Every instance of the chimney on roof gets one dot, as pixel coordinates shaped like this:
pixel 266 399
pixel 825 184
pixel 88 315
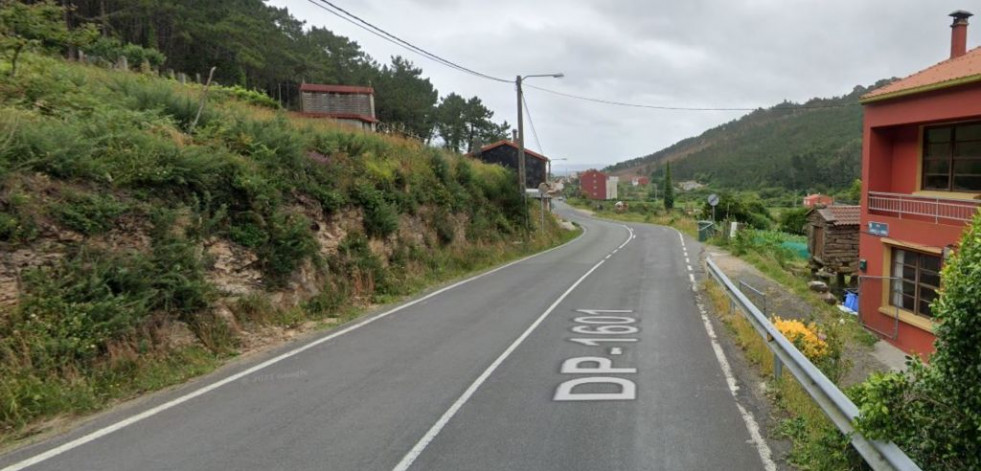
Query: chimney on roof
pixel 514 135
pixel 958 33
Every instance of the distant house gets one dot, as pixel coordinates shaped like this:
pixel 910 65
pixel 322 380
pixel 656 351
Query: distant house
pixel 506 153
pixel 347 104
pixel 921 180
pixel 636 181
pixel 611 187
pixel 817 199
pixel 592 183
pixel 832 239
pixel 689 185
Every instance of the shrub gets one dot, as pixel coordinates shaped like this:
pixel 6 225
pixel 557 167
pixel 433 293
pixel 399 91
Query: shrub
pixel 17 222
pixel 380 217
pixel 933 411
pixel 89 213
pixel 806 337
pixel 111 49
pixel 252 97
pixel 288 243
pixel 443 223
pixel 794 221
pixel 363 271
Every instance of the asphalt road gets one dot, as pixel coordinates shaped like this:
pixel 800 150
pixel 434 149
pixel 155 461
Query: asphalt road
pixel 590 357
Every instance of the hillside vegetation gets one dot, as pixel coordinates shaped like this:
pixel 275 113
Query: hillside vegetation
pixel 258 46
pixel 141 244
pixel 813 146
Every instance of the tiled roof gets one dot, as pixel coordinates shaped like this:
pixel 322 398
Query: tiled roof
pixel 316 87
pixel 511 144
pixel 951 72
pixel 841 215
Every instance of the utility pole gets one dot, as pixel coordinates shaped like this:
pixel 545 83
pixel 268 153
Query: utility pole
pixel 521 139
pixel 521 142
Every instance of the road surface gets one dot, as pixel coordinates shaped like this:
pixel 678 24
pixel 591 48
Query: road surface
pixel 593 356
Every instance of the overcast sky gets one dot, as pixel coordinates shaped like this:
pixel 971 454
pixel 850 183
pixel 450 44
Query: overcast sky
pixel 689 53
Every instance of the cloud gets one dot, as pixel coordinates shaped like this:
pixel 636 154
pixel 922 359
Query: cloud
pixel 698 53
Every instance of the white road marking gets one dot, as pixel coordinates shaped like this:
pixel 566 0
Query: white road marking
pixel 430 435
pixel 602 311
pixel 632 236
pixel 751 426
pixel 616 351
pixel 39 458
pixel 688 264
pixel 766 456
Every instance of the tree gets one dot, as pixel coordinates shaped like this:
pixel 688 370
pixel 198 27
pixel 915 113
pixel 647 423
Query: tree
pixel 403 96
pixel 462 123
pixel 39 25
pixel 855 191
pixel 794 220
pixel 933 412
pixel 451 121
pixel 668 188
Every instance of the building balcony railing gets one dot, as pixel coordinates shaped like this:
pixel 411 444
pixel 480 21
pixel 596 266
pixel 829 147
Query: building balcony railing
pixel 922 207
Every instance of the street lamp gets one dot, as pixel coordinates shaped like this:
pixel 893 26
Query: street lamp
pixel 521 132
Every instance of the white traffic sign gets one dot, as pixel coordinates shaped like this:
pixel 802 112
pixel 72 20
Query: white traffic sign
pixel 713 199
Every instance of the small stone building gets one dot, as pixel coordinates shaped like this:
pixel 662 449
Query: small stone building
pixel 354 106
pixel 505 153
pixel 832 239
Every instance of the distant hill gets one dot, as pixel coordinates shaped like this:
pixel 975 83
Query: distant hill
pixel 816 145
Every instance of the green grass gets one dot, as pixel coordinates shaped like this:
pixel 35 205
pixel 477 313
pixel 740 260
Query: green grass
pixel 640 212
pixel 817 443
pixel 110 156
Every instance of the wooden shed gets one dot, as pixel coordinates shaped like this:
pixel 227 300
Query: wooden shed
pixel 833 238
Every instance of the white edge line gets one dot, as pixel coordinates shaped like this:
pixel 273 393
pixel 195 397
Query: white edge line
pixel 433 431
pixel 748 420
pixel 39 458
pixel 766 455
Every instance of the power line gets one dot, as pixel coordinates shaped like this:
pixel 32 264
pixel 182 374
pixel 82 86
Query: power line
pixel 365 25
pixel 346 15
pixel 531 122
pixel 673 108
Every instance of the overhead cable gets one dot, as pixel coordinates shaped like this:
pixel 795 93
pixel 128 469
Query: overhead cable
pixel 365 25
pixel 346 15
pixel 541 150
pixel 673 108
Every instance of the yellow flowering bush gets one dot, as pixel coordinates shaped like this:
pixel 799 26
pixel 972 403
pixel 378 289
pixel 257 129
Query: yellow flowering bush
pixel 806 337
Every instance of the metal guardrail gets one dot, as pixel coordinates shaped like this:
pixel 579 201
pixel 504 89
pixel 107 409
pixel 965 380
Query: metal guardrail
pixel 880 455
pixel 922 206
pixel 759 293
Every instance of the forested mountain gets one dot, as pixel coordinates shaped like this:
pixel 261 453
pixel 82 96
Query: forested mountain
pixel 261 47
pixel 815 146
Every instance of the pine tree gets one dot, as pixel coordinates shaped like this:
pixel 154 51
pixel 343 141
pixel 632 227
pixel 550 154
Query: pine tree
pixel 668 188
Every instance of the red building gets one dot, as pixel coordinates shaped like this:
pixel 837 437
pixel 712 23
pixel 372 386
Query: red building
pixel 921 168
pixel 818 199
pixel 593 184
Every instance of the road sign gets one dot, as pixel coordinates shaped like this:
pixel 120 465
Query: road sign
pixel 713 199
pixel 543 188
